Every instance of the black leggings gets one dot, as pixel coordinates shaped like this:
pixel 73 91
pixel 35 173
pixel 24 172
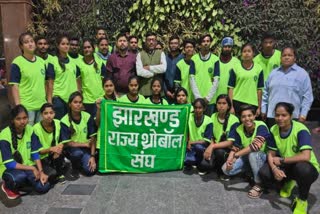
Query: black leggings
pixel 304 173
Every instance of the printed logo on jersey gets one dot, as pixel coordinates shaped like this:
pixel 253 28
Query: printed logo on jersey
pixel 42 71
pixel 295 149
pixel 255 78
pixel 275 66
pixel 29 145
pixel 85 130
pixel 210 70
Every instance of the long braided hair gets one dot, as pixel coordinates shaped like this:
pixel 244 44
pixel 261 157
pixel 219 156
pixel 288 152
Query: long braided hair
pixel 14 113
pixel 95 65
pixel 60 58
pixel 226 119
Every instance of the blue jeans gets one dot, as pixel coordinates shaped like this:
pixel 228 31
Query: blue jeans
pixel 253 161
pixel 79 158
pixel 34 117
pixel 195 155
pixel 15 179
pixel 59 107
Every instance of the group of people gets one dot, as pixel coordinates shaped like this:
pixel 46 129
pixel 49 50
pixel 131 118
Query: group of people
pixel 56 113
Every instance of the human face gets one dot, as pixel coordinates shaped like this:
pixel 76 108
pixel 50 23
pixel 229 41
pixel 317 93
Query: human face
pixel 158 47
pixel 108 88
pixel 226 50
pixel 151 42
pixel 74 46
pixel 133 44
pixel 87 49
pixel 287 58
pixel 76 104
pixel 198 109
pixel 174 45
pixel 247 53
pixel 48 115
pixel 156 88
pixel 28 45
pixel 247 119
pixel 122 43
pixel 222 106
pixel 20 122
pixel 267 45
pixel 42 46
pixel 283 118
pixel 181 98
pixel 64 46
pixel 189 50
pixel 205 43
pixel 133 87
pixel 103 47
pixel 101 34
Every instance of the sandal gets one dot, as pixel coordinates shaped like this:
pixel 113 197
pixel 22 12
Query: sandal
pixel 255 192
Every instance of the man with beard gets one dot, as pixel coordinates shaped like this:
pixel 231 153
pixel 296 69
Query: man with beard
pixel 74 51
pixel 121 65
pixel 101 34
pixel 269 58
pixel 42 49
pixel 150 63
pixel 173 57
pixel 224 65
pixel 102 52
pixel 133 44
pixel 202 81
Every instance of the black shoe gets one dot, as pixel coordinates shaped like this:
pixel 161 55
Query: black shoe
pixel 224 177
pixel 72 175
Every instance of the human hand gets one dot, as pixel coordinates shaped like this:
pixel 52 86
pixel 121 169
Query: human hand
pixel 43 178
pixel 92 164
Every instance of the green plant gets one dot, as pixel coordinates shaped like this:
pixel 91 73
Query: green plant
pixel 183 18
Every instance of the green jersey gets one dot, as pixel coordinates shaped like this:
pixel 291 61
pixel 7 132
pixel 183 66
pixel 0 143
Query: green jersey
pixel 222 70
pixel 77 60
pixel 84 129
pixel 91 80
pixel 30 78
pixel 162 101
pixel 203 132
pixel 225 129
pixel 268 64
pixel 60 133
pixel 297 140
pixel 242 140
pixel 125 99
pixel 28 146
pixel 245 83
pixel 65 81
pixel 202 70
pixel 182 77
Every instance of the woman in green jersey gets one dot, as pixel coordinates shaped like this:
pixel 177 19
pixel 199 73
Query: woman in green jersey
pixel 81 149
pixel 248 153
pixel 224 125
pixel 291 158
pixel 133 96
pixel 52 135
pixel 20 164
pixel 62 78
pixel 246 82
pixel 156 88
pixel 27 78
pixel 92 72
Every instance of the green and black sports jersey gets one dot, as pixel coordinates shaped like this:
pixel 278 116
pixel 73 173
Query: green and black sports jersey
pixel 203 132
pixel 203 70
pixel 65 81
pixel 30 78
pixel 162 102
pixel 91 80
pixel 222 70
pixel 77 60
pixel 268 64
pixel 245 83
pixel 297 140
pixel 28 146
pixel 182 77
pixel 46 138
pixel 218 131
pixel 84 129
